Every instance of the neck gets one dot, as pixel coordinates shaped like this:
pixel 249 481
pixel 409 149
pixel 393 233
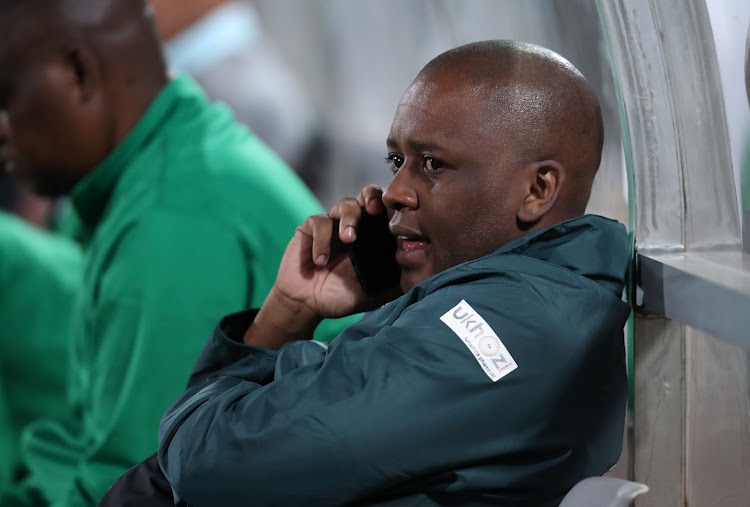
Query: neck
pixel 132 104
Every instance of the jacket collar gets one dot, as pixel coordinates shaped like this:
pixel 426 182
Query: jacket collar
pixel 592 246
pixel 92 194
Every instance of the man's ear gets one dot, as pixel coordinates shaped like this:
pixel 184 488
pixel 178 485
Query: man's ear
pixel 543 182
pixel 86 71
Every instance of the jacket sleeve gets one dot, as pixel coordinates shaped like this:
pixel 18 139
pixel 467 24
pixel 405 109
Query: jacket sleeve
pixel 168 281
pixel 390 414
pixel 40 274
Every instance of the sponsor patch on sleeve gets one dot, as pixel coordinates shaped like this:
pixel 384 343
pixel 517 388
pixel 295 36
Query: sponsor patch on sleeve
pixel 481 340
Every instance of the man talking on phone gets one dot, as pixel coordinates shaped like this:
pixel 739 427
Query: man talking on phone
pixel 497 377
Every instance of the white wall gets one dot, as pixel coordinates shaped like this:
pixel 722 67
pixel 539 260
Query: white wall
pixel 729 21
pixel 357 57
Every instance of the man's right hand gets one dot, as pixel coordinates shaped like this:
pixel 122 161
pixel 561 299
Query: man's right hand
pixel 316 279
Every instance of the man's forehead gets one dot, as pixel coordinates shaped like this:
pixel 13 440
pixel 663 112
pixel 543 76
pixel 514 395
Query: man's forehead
pixel 24 35
pixel 444 92
pixel 21 27
pixel 468 105
pixel 425 102
pixel 434 116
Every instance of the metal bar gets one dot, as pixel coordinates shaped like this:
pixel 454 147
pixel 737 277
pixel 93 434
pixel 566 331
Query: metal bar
pixel 709 291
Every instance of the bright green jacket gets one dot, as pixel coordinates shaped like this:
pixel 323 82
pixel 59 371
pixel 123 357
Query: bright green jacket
pixel 40 274
pixel 185 221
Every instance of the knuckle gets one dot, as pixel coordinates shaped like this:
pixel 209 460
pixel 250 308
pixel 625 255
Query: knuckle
pixel 349 203
pixel 313 222
pixel 373 190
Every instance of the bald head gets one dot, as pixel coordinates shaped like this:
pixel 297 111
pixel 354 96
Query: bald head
pixel 84 17
pixel 120 36
pixel 491 141
pixel 96 65
pixel 534 99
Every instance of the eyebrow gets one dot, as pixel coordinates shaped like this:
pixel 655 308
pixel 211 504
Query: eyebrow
pixel 416 145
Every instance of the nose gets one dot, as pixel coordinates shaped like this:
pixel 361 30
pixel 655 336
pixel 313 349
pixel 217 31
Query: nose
pixel 400 193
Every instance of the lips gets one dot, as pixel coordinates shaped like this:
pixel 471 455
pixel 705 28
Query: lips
pixel 411 243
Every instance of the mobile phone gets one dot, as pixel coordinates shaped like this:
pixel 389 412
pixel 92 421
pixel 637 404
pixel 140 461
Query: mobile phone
pixel 373 254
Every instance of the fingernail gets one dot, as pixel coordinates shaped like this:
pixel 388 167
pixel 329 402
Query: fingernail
pixel 349 231
pixel 321 260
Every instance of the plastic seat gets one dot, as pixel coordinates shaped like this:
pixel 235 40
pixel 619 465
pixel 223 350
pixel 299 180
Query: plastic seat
pixel 603 492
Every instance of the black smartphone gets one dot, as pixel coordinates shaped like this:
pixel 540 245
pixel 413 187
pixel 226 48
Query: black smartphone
pixel 373 254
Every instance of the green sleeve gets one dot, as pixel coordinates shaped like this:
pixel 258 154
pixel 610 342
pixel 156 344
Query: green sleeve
pixel 8 445
pixel 40 274
pixel 170 279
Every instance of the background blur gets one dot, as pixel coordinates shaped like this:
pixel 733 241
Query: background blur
pixel 357 57
pixel 320 80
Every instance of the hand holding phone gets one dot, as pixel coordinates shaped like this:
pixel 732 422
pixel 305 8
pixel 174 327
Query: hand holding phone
pixel 373 254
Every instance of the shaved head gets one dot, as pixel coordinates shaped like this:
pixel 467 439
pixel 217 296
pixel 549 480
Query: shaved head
pixel 83 18
pixel 121 32
pixel 92 13
pixel 75 77
pixel 99 22
pixel 537 99
pixel 492 140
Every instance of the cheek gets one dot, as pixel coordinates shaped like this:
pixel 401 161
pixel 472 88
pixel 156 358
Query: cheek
pixel 40 115
pixel 49 126
pixel 471 229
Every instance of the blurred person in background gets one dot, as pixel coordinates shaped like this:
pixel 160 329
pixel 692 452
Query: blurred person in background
pixel 40 276
pixel 16 199
pixel 221 44
pixel 183 216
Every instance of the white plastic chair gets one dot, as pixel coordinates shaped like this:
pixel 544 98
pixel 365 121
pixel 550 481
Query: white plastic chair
pixel 603 492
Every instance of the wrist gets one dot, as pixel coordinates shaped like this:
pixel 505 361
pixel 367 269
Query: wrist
pixel 281 320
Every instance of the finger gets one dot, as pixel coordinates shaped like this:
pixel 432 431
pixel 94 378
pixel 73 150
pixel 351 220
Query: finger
pixel 347 212
pixel 320 229
pixel 371 198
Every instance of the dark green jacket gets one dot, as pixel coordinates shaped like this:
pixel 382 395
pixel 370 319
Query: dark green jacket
pixel 400 409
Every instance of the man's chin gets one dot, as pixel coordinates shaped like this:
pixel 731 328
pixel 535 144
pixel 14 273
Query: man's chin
pixel 410 278
pixel 45 187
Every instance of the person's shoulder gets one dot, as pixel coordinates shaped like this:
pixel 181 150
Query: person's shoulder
pixel 203 136
pixel 203 156
pixel 589 253
pixel 21 239
pixel 168 251
pixel 496 272
pixel 529 296
pixel 218 163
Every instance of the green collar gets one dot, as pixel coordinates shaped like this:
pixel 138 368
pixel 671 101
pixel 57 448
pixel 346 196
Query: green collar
pixel 91 195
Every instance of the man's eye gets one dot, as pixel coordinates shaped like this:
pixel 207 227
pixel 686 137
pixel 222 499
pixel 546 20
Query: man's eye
pixel 395 161
pixel 432 164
